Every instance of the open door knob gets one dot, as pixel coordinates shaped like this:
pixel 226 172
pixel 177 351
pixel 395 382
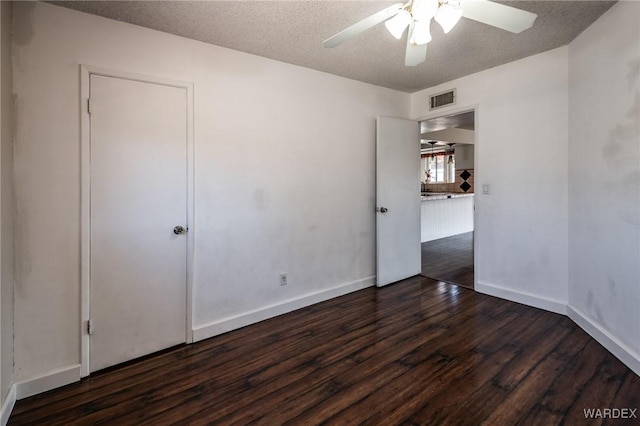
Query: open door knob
pixel 178 230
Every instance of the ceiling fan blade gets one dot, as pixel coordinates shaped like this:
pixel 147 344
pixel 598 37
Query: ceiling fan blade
pixel 416 53
pixel 498 15
pixel 363 25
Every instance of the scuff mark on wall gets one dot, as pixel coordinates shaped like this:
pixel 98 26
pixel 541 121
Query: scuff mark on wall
pixel 259 200
pixel 593 307
pixel 622 153
pixel 22 265
pixel 18 243
pixel 634 72
pixel 634 112
pixel 616 147
pixel 23 33
pixel 21 261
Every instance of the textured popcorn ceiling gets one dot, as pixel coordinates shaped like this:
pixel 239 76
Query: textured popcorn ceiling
pixel 293 32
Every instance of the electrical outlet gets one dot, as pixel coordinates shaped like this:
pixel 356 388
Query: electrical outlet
pixel 283 278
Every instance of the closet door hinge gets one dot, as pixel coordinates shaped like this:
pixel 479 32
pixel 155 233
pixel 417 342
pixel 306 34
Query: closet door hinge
pixel 89 328
pixel 89 105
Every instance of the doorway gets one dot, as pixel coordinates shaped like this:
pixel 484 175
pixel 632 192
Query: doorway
pixel 447 176
pixel 137 189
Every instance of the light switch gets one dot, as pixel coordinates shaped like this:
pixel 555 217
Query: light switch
pixel 485 188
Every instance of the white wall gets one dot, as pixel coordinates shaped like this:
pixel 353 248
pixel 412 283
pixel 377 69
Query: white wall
pixel 521 151
pixel 6 204
pixel 284 174
pixel 465 158
pixel 604 178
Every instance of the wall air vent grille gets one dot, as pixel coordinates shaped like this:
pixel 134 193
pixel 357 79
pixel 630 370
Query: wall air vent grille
pixel 443 99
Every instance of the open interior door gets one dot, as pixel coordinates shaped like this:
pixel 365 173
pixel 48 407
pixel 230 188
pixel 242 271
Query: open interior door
pixel 397 200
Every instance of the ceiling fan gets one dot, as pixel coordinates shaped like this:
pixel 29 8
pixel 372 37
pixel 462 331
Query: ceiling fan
pixel 416 15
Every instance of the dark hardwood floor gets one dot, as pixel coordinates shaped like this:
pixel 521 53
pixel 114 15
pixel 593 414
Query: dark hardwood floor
pixel 416 352
pixel 449 259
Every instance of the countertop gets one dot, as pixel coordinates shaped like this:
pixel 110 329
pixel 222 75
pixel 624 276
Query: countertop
pixel 431 196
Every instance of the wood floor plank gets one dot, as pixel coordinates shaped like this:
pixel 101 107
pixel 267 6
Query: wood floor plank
pixel 356 350
pixel 449 259
pixel 601 389
pixel 527 392
pixel 486 396
pixel 249 338
pixel 422 359
pixel 416 352
pixel 556 401
pixel 189 367
pixel 407 393
pixel 381 351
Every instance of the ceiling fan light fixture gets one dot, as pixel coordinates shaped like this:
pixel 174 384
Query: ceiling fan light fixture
pixel 417 15
pixel 448 16
pixel 424 10
pixel 398 23
pixel 421 34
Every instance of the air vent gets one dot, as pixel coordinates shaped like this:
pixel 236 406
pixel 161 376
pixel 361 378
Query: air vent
pixel 443 99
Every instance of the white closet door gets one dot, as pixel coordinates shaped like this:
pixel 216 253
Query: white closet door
pixel 138 195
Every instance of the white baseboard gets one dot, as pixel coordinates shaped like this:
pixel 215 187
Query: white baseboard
pixel 50 380
pixel 7 406
pixel 224 325
pixel 522 297
pixel 624 353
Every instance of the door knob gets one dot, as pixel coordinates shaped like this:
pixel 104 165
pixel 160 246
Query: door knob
pixel 178 230
pixel 383 209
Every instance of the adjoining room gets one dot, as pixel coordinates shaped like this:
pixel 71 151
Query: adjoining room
pixel 447 167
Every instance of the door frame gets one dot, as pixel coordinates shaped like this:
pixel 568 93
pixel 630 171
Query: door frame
pixel 476 160
pixel 85 199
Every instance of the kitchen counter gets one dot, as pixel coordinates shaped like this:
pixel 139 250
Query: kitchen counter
pixel 451 215
pixel 430 196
